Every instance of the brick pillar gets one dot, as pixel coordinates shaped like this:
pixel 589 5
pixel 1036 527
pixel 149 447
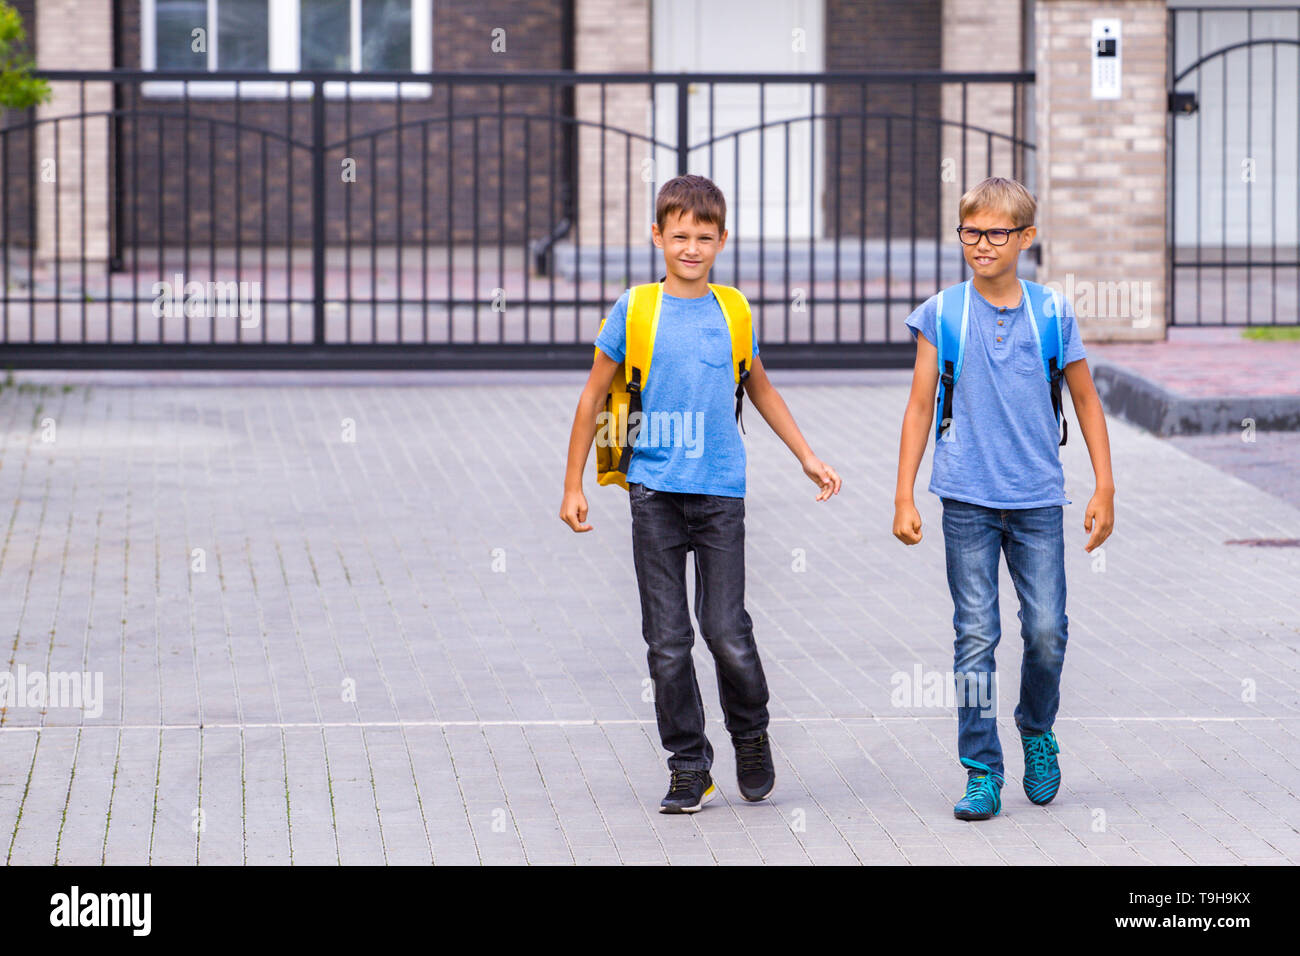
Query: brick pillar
pixel 979 36
pixel 612 36
pixel 1102 168
pixel 73 35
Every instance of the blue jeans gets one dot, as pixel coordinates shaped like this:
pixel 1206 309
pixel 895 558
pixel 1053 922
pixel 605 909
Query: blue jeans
pixel 1033 540
pixel 665 525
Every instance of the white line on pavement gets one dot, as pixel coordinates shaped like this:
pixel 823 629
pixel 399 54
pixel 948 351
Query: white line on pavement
pixel 317 725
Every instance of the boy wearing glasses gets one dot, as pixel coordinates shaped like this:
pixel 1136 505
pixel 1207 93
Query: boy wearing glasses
pixel 996 348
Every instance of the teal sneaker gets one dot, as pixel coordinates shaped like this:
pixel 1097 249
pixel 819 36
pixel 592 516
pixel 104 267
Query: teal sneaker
pixel 1042 772
pixel 983 793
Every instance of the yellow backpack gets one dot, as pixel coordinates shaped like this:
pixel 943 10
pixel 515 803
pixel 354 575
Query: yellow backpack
pixel 617 432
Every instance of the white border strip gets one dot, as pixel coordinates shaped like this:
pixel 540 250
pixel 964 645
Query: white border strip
pixel 630 721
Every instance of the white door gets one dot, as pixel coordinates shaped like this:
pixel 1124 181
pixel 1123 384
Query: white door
pixel 747 36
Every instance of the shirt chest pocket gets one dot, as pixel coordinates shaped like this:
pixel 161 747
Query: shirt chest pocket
pixel 714 346
pixel 1027 359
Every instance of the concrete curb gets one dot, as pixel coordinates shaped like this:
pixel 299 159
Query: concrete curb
pixel 1143 402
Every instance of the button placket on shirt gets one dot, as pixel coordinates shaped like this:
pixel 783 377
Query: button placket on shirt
pixel 1001 334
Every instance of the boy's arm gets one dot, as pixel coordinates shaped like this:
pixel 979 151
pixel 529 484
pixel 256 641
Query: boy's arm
pixel 573 509
pixel 917 419
pixel 1099 519
pixel 772 407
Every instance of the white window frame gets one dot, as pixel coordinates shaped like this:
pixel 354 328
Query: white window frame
pixel 285 56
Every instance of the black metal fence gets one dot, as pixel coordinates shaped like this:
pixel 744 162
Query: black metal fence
pixel 462 220
pixel 1234 161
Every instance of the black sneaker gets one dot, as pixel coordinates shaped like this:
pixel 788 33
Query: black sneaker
pixel 688 791
pixel 754 773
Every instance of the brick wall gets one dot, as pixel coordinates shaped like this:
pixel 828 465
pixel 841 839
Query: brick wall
pixel 981 36
pixel 1102 164
pixel 510 170
pixel 73 34
pixel 612 36
pixel 882 159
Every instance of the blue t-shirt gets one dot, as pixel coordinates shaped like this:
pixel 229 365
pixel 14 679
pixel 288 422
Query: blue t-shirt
pixel 1002 449
pixel 689 441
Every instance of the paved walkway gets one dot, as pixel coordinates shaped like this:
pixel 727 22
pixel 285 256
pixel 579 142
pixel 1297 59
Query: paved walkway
pixel 1246 378
pixel 319 650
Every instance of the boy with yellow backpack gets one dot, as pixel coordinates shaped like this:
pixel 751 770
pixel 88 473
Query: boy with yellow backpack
pixel 670 358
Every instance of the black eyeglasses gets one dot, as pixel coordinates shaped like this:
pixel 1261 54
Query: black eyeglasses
pixel 969 235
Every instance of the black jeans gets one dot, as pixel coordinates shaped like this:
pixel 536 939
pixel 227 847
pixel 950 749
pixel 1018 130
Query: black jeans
pixel 665 525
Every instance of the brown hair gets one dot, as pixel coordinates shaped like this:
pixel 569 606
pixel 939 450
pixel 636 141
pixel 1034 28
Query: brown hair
pixel 697 195
pixel 999 195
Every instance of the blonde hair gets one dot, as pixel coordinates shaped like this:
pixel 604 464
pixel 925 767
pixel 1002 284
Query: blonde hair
pixel 999 195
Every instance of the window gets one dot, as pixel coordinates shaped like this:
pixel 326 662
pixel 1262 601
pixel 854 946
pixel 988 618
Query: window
pixel 357 36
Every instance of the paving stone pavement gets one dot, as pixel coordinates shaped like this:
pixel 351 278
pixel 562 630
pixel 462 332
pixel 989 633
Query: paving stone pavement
pixel 317 650
pixel 1268 460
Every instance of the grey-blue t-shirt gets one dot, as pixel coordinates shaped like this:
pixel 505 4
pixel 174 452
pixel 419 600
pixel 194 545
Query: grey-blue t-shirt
pixel 689 441
pixel 1002 449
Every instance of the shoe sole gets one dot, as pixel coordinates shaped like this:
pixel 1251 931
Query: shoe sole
pixel 708 795
pixel 763 796
pixel 976 816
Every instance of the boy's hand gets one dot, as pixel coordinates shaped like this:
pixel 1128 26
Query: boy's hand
pixel 907 523
pixel 1099 518
pixel 822 475
pixel 573 510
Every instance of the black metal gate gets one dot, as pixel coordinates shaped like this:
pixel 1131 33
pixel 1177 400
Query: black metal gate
pixel 1234 165
pixel 304 220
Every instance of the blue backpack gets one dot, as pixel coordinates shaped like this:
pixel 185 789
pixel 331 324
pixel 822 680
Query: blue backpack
pixel 952 312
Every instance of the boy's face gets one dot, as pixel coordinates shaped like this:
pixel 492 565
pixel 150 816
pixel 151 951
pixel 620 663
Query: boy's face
pixel 689 246
pixel 987 260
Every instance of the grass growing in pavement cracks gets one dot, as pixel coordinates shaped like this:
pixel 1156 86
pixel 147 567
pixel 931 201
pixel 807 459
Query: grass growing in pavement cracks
pixel 67 800
pixel 1274 333
pixel 27 789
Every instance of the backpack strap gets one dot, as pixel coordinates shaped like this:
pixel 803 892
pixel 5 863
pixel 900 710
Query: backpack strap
pixel 643 307
pixel 740 324
pixel 952 314
pixel 1047 304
